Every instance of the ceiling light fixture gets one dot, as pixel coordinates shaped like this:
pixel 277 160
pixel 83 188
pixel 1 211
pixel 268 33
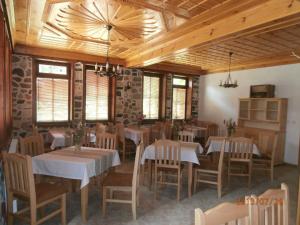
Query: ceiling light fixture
pixel 228 83
pixel 108 70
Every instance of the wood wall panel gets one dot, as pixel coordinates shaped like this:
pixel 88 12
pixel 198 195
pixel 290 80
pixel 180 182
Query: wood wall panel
pixel 5 85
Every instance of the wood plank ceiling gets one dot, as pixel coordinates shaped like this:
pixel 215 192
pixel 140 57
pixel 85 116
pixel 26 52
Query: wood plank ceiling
pixel 192 34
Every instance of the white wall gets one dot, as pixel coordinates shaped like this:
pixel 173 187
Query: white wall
pixel 217 104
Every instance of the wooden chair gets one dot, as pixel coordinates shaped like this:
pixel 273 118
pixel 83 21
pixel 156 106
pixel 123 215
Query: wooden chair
pixel 35 130
pixel 106 140
pixel 270 208
pixel 186 136
pixel 156 131
pixel 267 143
pixel 224 213
pixel 167 162
pixel 210 173
pixel 20 184
pixel 86 140
pixel 122 182
pixel 32 145
pixel 240 155
pixel 100 128
pixel 168 130
pixel 121 139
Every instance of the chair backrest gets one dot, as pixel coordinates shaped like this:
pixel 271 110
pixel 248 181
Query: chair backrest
pixel 270 208
pixel 168 129
pixel 167 153
pixel 221 158
pixel 223 214
pixel 32 145
pixel 267 143
pixel 187 136
pixel 87 137
pixel 18 175
pixel 100 128
pixel 240 148
pixel 136 168
pixel 106 140
pixel 35 130
pixel 120 132
pixel 214 138
pixel 145 138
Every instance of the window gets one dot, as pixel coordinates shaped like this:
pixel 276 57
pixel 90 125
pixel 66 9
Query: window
pixel 52 92
pixel 97 97
pixel 179 98
pixel 151 96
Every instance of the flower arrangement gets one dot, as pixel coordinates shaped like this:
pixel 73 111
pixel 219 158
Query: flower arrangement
pixel 140 117
pixel 230 125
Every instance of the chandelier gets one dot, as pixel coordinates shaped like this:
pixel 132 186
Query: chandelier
pixel 228 83
pixel 108 70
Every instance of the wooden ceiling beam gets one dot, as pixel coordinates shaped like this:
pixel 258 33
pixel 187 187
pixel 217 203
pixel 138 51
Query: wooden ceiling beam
pixel 278 59
pixel 263 16
pixel 176 68
pixel 63 55
pixel 147 5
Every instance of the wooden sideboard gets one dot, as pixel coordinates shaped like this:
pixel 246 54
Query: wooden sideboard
pixel 267 115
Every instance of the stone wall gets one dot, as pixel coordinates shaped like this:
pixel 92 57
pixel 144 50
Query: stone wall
pixel 78 92
pixel 128 101
pixel 195 97
pixel 22 94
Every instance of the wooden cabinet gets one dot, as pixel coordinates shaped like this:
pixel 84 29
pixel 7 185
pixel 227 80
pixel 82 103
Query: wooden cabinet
pixel 264 115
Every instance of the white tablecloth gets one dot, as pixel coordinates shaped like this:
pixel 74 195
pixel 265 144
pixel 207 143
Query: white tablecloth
pixel 189 152
pixel 81 165
pixel 59 138
pixel 198 131
pixel 134 134
pixel 215 146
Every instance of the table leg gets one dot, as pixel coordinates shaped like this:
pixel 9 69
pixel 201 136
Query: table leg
pixel 190 179
pixel 149 173
pixel 84 203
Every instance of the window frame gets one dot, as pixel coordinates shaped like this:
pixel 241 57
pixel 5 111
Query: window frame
pixel 111 97
pixel 180 87
pixel 36 75
pixel 153 74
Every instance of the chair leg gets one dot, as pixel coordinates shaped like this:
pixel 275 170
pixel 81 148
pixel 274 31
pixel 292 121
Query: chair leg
pixel 272 174
pixel 133 205
pixel 219 187
pixel 250 175
pixel 149 173
pixel 123 155
pixel 228 175
pixel 63 209
pixel 33 210
pixel 104 201
pixel 155 183
pixel 10 209
pixel 195 180
pixel 179 185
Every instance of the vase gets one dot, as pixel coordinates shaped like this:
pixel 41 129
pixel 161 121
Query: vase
pixel 77 147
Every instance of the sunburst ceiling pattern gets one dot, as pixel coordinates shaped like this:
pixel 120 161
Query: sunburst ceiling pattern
pixel 88 21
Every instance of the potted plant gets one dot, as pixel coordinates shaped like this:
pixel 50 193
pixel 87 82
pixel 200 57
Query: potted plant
pixel 231 126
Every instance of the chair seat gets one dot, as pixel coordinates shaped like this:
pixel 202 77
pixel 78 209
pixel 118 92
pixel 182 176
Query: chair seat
pixel 118 180
pixel 165 169
pixel 261 157
pixel 45 191
pixel 206 165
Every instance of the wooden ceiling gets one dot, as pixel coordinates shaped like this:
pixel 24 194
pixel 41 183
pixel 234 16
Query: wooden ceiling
pixel 196 35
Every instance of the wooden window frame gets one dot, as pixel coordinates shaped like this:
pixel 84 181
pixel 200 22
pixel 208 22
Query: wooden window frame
pixel 36 75
pixel 160 100
pixel 111 97
pixel 180 87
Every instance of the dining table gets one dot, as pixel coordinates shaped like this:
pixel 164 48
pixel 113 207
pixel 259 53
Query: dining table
pixel 135 133
pixel 75 164
pixel 198 131
pixel 63 137
pixel 189 153
pixel 215 145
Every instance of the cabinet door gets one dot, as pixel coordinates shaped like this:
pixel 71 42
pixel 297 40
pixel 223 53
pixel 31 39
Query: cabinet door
pixel 273 110
pixel 244 112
